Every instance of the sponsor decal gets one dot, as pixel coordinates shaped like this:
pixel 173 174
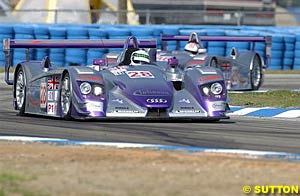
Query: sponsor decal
pixel 118 70
pixel 184 101
pixel 163 58
pixel 94 106
pixel 43 95
pixel 51 108
pixel 156 100
pixel 195 62
pixel 139 74
pixel 209 78
pixel 52 95
pixel 120 101
pixel 53 82
pixel 89 77
pixel 147 92
pixel 217 105
pixel 83 70
pixel 207 72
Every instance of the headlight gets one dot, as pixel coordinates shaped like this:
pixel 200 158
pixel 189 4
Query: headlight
pixel 97 90
pixel 85 88
pixel 216 88
pixel 206 90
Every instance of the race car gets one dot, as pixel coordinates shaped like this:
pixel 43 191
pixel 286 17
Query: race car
pixel 242 70
pixel 132 87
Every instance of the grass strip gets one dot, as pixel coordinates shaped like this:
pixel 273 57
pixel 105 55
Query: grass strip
pixel 278 98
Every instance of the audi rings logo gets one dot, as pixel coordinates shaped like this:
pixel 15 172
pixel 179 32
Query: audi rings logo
pixel 156 100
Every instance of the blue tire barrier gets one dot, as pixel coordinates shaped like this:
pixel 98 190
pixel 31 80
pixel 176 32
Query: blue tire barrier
pixel 277 53
pixel 57 32
pixel 118 32
pixel 23 29
pixel 288 63
pixel 238 45
pixel 97 33
pixel 297 45
pixel 276 62
pixel 69 60
pixel 297 53
pixel 6 29
pixel 289 46
pixel 75 52
pixel 260 46
pixel 216 51
pixel 39 55
pixel 170 30
pixel 77 32
pixel 117 50
pixel 289 54
pixel 289 39
pixel 41 30
pixel 141 32
pixel 277 39
pixel 277 46
pixel 38 36
pixel 189 31
pixel 24 36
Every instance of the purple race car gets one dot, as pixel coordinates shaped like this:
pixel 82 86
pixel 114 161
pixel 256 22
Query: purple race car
pixel 132 87
pixel 242 70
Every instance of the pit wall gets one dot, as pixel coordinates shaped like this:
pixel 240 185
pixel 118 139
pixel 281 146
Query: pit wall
pixel 285 52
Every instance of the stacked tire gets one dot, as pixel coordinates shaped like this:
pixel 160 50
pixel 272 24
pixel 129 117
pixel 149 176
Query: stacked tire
pixel 171 45
pixel 289 52
pixel 6 32
pixel 76 56
pixel 22 32
pixel 240 46
pixel 96 34
pixel 41 32
pixel 57 55
pixel 216 47
pixel 296 65
pixel 118 33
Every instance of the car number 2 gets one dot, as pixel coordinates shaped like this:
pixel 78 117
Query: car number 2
pixel 139 74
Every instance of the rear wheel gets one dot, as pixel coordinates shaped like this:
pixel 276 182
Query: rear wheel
pixel 20 87
pixel 256 73
pixel 66 96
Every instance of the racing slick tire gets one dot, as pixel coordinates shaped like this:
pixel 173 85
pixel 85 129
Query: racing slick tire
pixel 66 96
pixel 20 91
pixel 256 73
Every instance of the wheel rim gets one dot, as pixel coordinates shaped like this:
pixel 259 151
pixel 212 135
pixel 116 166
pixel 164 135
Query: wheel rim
pixel 256 72
pixel 20 90
pixel 65 95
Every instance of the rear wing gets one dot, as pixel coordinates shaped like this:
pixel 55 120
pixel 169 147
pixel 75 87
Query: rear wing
pixel 252 39
pixel 9 44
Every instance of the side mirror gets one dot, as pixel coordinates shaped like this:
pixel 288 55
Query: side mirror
pixel 233 53
pixel 202 51
pixel 98 64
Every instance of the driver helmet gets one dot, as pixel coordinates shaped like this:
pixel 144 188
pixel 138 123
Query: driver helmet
pixel 192 47
pixel 139 57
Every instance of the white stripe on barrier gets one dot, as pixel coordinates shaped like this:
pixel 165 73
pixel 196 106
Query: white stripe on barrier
pixel 245 111
pixel 289 114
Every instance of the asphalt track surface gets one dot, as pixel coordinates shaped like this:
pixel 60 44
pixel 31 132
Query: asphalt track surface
pixel 280 135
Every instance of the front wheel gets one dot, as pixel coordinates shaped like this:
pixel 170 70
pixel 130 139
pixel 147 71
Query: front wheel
pixel 66 96
pixel 256 73
pixel 20 91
